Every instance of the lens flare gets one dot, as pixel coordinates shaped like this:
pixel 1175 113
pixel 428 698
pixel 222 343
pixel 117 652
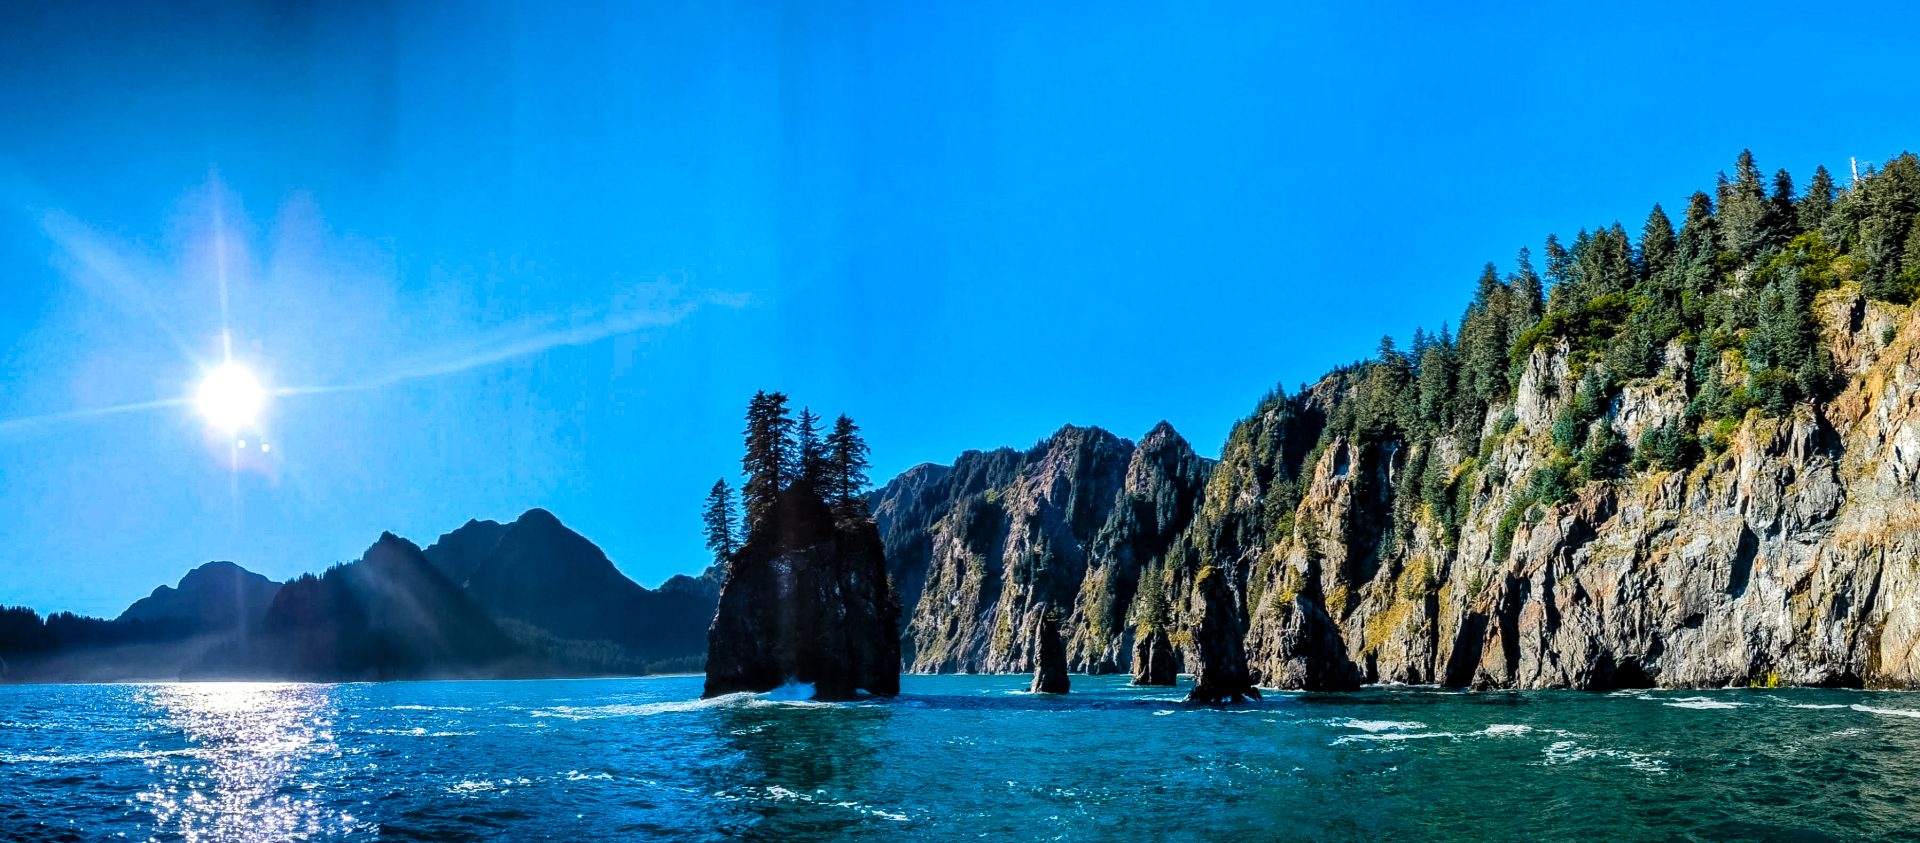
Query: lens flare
pixel 230 398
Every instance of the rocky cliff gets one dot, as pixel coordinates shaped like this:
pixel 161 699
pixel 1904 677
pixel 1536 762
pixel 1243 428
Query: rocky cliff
pixel 1789 553
pixel 984 548
pixel 1787 557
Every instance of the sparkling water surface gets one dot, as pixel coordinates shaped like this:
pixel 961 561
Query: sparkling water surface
pixel 953 758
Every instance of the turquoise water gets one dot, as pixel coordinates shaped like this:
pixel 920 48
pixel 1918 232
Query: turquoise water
pixel 954 758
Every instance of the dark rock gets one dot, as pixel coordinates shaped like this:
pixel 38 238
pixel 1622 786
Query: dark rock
pixel 214 596
pixel 390 615
pixel 812 605
pixel 557 591
pixel 1221 676
pixel 1153 660
pixel 1050 672
pixel 459 552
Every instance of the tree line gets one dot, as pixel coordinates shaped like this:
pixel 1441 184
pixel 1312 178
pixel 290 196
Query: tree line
pixel 788 463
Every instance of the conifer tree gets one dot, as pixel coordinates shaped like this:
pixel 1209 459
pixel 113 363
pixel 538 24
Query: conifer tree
pixel 1813 207
pixel 810 456
pixel 719 517
pixel 1744 208
pixel 1559 262
pixel 1436 376
pixel 1484 346
pixel 1782 213
pixel 1656 244
pixel 1526 300
pixel 1697 253
pixel 769 449
pixel 846 462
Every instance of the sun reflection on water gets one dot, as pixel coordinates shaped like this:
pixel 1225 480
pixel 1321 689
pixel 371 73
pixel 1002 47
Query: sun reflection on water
pixel 242 775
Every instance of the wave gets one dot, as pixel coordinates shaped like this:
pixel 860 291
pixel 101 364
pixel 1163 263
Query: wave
pixel 1570 752
pixel 1380 725
pixel 97 757
pixel 776 793
pixel 771 699
pixel 1891 712
pixel 1702 703
pixel 1392 736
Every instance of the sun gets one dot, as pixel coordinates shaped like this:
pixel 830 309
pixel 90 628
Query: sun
pixel 230 398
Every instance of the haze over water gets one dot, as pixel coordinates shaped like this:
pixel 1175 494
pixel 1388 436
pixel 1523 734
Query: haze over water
pixel 955 757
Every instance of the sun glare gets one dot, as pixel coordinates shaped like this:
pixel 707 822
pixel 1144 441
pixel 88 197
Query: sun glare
pixel 230 398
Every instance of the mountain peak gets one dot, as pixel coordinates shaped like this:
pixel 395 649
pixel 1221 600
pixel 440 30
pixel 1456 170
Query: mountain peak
pixel 538 516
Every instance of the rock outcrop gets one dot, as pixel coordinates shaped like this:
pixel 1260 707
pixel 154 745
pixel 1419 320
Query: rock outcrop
pixel 1153 660
pixel 1050 672
pixel 1220 674
pixel 811 605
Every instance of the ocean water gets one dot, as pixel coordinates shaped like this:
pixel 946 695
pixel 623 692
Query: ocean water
pixel 953 758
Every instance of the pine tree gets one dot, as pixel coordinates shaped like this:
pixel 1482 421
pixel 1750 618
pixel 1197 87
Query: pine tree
pixel 1656 244
pixel 810 456
pixel 1484 346
pixel 846 463
pixel 769 449
pixel 1743 208
pixel 1436 385
pixel 1525 298
pixel 719 517
pixel 1559 262
pixel 1782 213
pixel 1814 207
pixel 1697 254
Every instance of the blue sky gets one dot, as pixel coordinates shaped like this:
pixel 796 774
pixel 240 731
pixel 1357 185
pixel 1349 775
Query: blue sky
pixel 516 257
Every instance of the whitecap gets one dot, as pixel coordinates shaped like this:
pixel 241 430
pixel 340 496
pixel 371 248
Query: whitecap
pixel 1381 725
pixel 1702 703
pixel 1819 706
pixel 783 794
pixel 1391 736
pixel 1501 730
pixel 1569 752
pixel 1894 712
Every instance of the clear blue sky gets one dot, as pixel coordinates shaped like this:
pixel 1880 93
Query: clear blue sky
pixel 546 256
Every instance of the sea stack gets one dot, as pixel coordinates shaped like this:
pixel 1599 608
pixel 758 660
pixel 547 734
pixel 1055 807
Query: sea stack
pixel 1221 676
pixel 807 601
pixel 1153 659
pixel 1050 673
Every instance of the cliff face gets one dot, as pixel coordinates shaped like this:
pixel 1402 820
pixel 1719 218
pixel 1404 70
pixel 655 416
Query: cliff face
pixel 984 548
pixel 1790 555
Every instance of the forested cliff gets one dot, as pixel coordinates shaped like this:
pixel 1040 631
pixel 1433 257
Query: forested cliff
pixel 1682 457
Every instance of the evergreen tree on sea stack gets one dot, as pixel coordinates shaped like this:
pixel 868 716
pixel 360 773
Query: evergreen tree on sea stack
pixel 806 597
